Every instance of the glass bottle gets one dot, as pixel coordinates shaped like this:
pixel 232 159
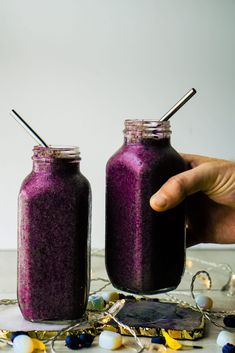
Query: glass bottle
pixel 145 249
pixel 54 237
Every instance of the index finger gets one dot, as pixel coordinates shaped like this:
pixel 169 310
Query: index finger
pixel 195 159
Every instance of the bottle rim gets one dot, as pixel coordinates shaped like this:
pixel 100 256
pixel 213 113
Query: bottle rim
pixel 147 122
pixel 56 152
pixel 137 129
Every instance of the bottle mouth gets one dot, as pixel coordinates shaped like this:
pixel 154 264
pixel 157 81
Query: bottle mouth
pixel 56 152
pixel 145 128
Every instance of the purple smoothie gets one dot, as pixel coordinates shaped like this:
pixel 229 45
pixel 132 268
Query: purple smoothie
pixel 53 237
pixel 145 250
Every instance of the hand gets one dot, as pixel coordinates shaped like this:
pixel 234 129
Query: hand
pixel 210 190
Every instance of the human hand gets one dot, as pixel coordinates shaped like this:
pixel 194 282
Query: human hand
pixel 210 190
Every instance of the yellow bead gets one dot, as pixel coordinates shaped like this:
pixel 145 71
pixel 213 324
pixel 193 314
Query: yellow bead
pixel 171 342
pixel 38 344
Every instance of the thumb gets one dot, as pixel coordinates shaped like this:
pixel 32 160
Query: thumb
pixel 178 187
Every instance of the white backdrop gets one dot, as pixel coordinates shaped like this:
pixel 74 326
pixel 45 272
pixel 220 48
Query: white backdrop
pixel 76 69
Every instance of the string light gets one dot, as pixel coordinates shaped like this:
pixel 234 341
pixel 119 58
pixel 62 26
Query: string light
pixel 203 276
pixel 229 286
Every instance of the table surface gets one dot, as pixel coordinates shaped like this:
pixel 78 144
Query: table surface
pixel 197 259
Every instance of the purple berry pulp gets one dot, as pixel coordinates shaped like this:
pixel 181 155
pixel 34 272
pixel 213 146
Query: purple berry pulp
pixel 53 241
pixel 145 249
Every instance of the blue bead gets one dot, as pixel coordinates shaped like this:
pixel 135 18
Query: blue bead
pixel 18 333
pixel 229 320
pixel 228 348
pixel 73 342
pixel 158 339
pixel 86 339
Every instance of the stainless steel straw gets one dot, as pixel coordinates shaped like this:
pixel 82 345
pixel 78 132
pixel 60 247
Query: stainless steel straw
pixel 178 105
pixel 28 128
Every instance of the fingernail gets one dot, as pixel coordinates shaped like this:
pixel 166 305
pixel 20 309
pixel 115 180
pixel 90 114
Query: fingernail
pixel 159 200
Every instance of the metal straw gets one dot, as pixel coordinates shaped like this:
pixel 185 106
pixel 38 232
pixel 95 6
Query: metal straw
pixel 178 105
pixel 28 128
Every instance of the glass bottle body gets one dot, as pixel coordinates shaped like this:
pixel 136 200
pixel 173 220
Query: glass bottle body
pixel 145 249
pixel 53 238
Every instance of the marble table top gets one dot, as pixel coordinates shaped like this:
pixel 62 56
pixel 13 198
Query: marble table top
pixel 217 262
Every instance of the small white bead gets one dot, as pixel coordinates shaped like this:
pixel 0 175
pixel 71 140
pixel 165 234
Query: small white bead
pixel 23 344
pixel 225 337
pixel 204 302
pixel 110 340
pixel 110 296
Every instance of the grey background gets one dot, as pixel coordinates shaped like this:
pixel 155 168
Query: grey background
pixel 76 69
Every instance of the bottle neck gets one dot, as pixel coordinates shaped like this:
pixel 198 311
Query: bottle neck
pixel 62 160
pixel 146 131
